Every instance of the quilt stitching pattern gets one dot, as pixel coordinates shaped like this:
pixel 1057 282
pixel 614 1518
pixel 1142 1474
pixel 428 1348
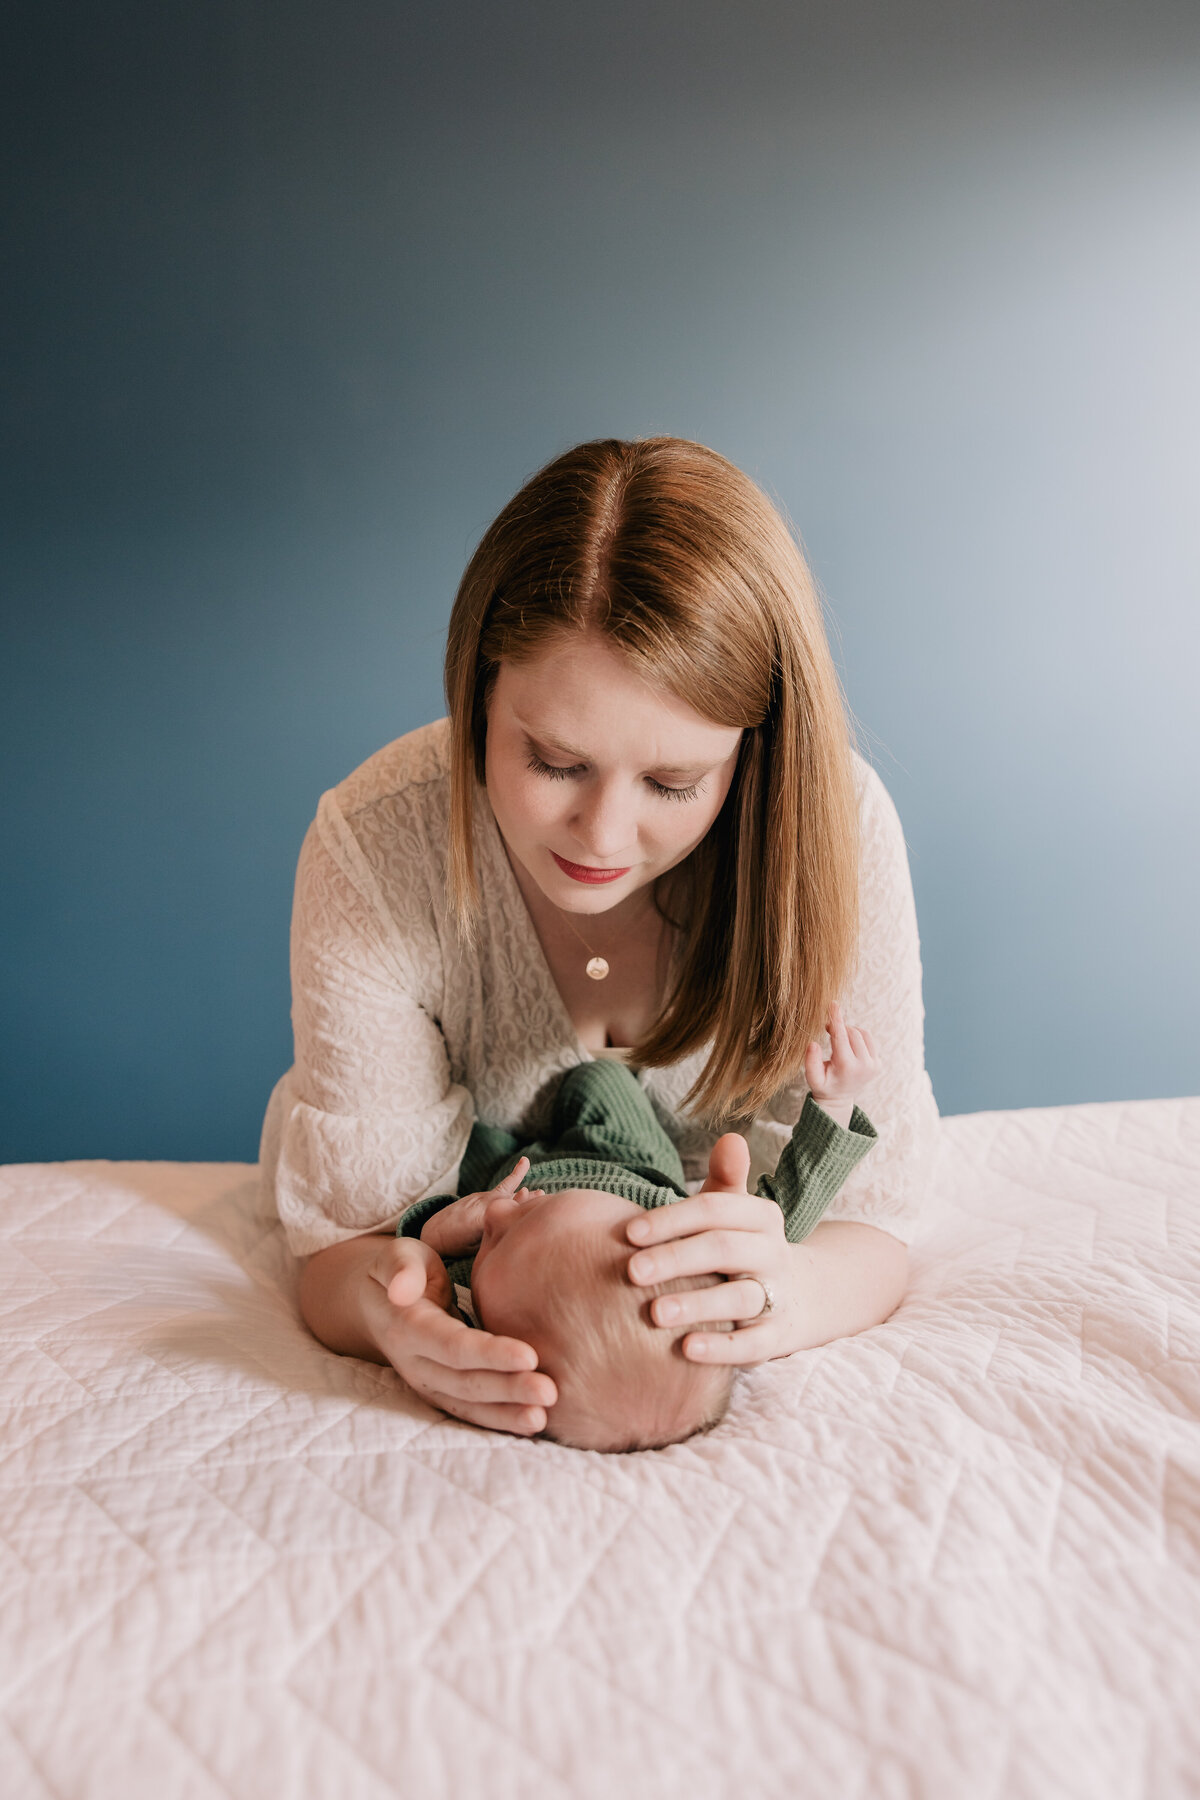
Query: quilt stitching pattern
pixel 958 1556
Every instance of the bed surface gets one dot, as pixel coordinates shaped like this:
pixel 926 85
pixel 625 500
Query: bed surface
pixel 957 1556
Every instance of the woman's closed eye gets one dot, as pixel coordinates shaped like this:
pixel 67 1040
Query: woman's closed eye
pixel 674 793
pixel 557 773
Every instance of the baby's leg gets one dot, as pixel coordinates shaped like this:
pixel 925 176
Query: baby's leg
pixel 601 1111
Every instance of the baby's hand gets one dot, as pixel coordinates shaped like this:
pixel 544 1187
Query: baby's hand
pixel 835 1084
pixel 458 1228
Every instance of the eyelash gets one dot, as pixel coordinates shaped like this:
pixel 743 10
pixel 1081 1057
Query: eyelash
pixel 556 774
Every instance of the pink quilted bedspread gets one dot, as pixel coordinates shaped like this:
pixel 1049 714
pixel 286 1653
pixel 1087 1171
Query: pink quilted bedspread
pixel 958 1556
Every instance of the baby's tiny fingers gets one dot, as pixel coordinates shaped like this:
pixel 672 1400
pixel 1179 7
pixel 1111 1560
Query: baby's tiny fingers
pixel 839 1042
pixel 512 1181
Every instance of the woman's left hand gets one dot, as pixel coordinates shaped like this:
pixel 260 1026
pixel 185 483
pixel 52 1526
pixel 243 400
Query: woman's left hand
pixel 724 1231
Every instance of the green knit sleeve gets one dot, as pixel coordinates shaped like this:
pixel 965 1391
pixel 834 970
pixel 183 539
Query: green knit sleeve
pixel 813 1166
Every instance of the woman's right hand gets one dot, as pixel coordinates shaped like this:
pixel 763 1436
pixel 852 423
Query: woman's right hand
pixel 487 1380
pixel 389 1299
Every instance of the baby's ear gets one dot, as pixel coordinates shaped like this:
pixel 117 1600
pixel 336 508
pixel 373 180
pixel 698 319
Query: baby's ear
pixel 728 1166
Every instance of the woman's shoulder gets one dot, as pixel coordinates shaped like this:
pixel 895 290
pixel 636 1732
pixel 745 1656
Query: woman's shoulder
pixel 878 821
pixel 416 765
pixel 873 797
pixel 380 835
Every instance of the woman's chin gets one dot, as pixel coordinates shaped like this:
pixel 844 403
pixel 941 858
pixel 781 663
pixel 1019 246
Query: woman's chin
pixel 574 895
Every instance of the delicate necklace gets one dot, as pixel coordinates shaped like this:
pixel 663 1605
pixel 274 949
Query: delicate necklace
pixel 597 967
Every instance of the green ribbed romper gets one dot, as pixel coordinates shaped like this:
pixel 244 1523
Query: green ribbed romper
pixel 604 1134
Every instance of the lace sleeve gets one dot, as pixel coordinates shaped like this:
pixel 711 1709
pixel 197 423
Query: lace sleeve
pixel 368 1119
pixel 887 1188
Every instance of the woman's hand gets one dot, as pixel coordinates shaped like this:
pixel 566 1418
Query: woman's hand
pixel 780 1296
pixel 722 1230
pixel 388 1299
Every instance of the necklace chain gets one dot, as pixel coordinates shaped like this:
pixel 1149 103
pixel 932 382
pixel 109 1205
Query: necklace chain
pixel 597 966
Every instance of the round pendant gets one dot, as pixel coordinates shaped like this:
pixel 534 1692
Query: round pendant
pixel 597 968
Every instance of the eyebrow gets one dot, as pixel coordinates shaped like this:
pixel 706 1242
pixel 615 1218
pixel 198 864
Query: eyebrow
pixel 549 743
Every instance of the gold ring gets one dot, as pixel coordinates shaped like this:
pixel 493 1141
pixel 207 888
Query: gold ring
pixel 768 1304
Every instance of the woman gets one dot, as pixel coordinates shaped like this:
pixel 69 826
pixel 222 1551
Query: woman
pixel 642 832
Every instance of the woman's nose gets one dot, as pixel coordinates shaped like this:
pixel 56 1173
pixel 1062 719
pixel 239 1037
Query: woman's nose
pixel 604 823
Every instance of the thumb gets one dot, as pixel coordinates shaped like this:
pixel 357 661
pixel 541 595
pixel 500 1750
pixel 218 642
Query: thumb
pixel 728 1165
pixel 814 1067
pixel 407 1284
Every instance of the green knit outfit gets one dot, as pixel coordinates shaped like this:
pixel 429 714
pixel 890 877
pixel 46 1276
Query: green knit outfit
pixel 604 1134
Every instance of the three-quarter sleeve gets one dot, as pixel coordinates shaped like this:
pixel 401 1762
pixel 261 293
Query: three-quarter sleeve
pixel 368 1119
pixel 884 994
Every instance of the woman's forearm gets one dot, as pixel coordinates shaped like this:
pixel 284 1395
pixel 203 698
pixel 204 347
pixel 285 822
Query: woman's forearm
pixel 844 1278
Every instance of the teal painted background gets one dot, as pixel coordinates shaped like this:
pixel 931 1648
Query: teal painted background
pixel 296 296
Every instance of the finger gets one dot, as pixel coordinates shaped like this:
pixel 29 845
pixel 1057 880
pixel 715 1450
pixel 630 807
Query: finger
pixel 427 1330
pixel 407 1284
pixel 708 1253
pixel 728 1164
pixel 458 1228
pixel 814 1065
pixel 869 1041
pixel 484 1387
pixel 732 1301
pixel 752 1344
pixel 839 1043
pixel 512 1181
pixel 522 1421
pixel 858 1047
pixel 703 1211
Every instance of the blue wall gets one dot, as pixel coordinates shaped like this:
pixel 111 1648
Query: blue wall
pixel 304 291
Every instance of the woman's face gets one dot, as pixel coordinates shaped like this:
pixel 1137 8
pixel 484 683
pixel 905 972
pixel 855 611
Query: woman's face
pixel 599 782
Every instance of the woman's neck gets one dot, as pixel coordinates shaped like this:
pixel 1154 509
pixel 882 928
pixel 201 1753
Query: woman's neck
pixel 634 917
pixel 633 939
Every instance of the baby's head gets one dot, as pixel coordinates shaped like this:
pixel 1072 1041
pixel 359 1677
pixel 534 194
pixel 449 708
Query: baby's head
pixel 552 1271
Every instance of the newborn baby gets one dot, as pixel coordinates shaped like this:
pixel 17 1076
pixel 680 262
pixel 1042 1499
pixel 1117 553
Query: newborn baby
pixel 551 1270
pixel 550 1266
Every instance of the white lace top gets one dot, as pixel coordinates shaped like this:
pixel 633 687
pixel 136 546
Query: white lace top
pixel 403 1036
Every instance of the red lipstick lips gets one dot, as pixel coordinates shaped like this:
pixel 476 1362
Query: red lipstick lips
pixel 580 871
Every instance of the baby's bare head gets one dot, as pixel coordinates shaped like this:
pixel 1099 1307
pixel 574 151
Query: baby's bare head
pixel 557 1278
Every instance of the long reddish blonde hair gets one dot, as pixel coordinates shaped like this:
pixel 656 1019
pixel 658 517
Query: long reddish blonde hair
pixel 683 564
